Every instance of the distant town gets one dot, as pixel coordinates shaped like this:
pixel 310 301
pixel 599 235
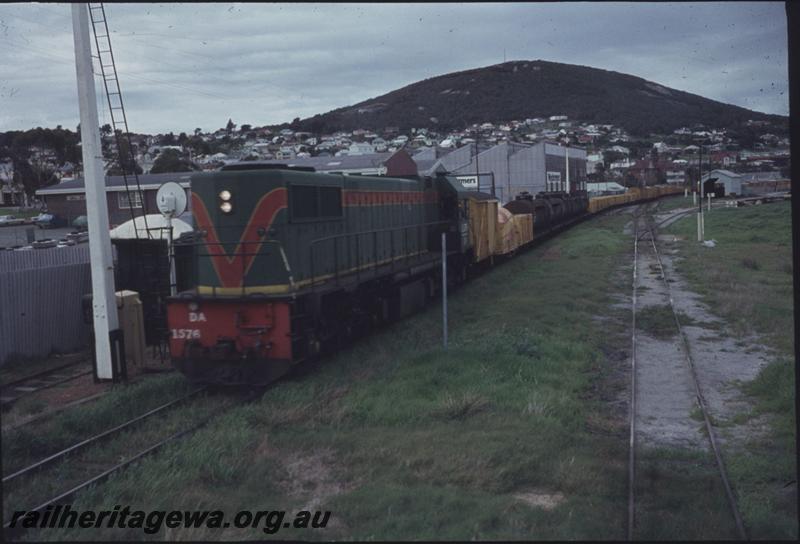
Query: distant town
pixel 31 162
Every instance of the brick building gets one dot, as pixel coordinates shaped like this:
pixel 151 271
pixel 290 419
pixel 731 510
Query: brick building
pixel 68 199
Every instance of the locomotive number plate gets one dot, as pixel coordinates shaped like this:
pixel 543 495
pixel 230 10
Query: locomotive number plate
pixel 185 333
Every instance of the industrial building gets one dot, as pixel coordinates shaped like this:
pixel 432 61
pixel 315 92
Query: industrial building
pixel 730 182
pixel 508 168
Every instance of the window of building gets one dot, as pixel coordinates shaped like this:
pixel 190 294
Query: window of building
pixel 128 200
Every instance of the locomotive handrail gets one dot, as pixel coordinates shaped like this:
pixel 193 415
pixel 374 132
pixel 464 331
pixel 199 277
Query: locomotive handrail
pixel 244 253
pixel 374 232
pixel 243 247
pixel 431 223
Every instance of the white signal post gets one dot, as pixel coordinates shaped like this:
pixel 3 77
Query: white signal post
pixel 171 202
pixel 444 290
pixel 104 308
pixel 566 160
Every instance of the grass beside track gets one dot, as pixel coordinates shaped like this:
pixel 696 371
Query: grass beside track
pixel 747 279
pixel 37 487
pixel 503 436
pixel 27 444
pixel 676 202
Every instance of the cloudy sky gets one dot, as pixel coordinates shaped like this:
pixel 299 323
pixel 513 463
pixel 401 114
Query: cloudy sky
pixel 183 66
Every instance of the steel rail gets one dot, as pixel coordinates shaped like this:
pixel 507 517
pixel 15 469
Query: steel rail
pixel 701 401
pixel 37 375
pixel 46 415
pixel 105 434
pixel 46 385
pixel 632 410
pixel 143 453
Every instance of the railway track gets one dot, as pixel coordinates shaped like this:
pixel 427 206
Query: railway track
pixel 22 387
pixel 98 437
pixel 63 496
pixel 644 236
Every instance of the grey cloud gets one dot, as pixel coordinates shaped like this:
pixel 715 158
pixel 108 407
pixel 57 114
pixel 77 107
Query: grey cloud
pixel 189 65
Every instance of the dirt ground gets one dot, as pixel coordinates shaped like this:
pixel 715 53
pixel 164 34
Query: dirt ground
pixel 45 402
pixel 668 411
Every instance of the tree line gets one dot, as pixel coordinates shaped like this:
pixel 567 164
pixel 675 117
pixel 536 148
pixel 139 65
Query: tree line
pixel 37 154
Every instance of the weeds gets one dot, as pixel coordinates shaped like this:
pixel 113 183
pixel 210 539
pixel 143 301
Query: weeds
pixel 657 321
pixel 462 406
pixel 752 264
pixel 755 297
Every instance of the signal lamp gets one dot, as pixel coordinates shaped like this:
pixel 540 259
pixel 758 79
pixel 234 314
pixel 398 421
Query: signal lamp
pixel 225 195
pixel 226 207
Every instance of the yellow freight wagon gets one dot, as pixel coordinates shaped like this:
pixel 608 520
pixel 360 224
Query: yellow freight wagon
pixel 482 227
pixel 512 231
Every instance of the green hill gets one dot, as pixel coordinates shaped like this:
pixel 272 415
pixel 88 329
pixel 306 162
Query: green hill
pixel 525 89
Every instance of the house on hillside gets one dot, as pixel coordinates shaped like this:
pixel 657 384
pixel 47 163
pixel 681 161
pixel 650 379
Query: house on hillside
pixel 724 158
pixel 360 148
pixel 11 193
pixel 650 172
pixel 676 175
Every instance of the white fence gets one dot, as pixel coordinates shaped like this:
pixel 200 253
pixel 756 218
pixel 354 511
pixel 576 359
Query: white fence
pixel 40 301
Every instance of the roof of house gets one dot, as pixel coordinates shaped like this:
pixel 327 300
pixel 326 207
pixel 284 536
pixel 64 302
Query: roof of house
pixel 646 164
pixel 726 173
pixel 117 183
pixel 343 162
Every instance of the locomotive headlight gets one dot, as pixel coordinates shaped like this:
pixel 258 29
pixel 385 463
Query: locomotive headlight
pixel 225 195
pixel 226 207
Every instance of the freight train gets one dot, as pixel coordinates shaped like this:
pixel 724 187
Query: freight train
pixel 290 264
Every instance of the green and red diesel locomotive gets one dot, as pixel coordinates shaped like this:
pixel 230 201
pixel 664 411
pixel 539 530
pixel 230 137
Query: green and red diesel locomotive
pixel 289 263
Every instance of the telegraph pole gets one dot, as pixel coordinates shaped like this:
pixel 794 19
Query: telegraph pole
pixel 566 159
pixel 700 194
pixel 477 170
pixel 444 290
pixel 104 308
